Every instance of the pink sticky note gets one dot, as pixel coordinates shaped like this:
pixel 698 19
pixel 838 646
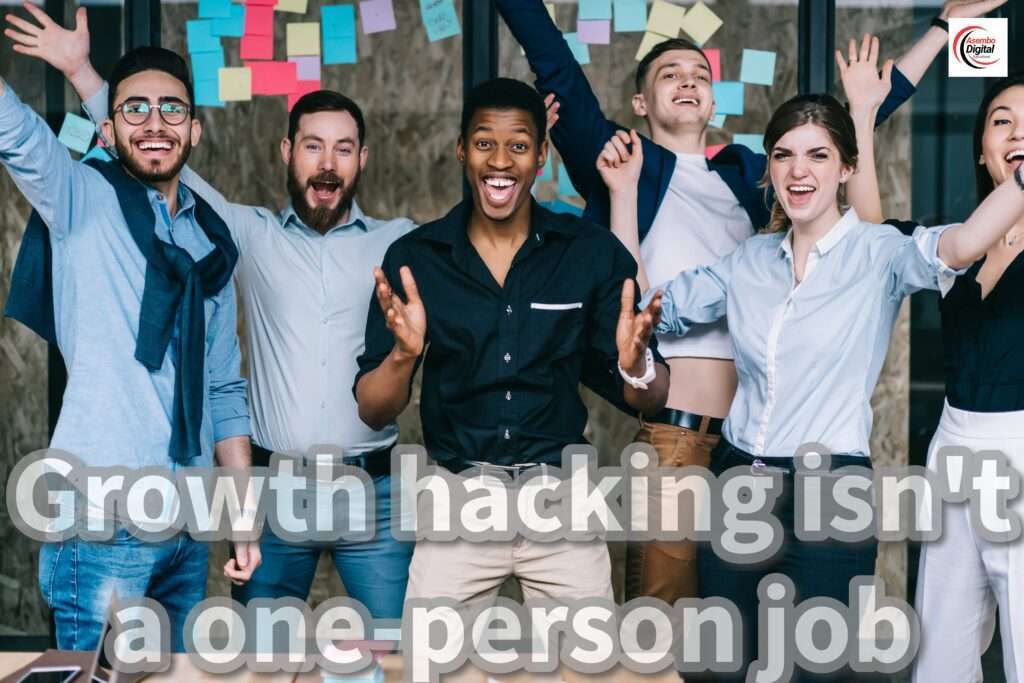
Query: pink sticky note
pixel 257 47
pixel 272 78
pixel 711 150
pixel 714 56
pixel 306 68
pixel 302 88
pixel 267 3
pixel 259 21
pixel 377 15
pixel 594 31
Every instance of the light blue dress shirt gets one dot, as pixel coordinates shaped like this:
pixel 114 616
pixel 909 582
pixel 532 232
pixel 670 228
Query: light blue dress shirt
pixel 807 355
pixel 306 298
pixel 115 411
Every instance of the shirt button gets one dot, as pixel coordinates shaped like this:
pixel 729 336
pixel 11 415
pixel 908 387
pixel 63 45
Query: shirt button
pixel 323 362
pixel 508 358
pixel 507 435
pixel 508 395
pixel 508 310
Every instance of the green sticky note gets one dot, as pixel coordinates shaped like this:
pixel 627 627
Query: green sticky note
pixel 752 140
pixel 579 50
pixel 76 133
pixel 758 67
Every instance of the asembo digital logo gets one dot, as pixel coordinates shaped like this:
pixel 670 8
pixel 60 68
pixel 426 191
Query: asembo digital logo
pixel 977 47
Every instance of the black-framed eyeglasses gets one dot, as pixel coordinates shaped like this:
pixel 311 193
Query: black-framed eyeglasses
pixel 136 112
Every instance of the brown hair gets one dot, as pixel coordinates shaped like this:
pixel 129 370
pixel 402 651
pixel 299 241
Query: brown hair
pixel 821 110
pixel 660 49
pixel 982 180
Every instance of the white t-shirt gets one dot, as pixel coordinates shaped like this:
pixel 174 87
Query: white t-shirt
pixel 699 222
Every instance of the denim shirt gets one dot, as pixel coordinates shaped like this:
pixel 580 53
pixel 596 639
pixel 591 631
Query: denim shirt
pixel 115 411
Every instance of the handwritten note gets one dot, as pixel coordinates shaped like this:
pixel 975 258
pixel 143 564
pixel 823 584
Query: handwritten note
pixel 440 19
pixel 76 133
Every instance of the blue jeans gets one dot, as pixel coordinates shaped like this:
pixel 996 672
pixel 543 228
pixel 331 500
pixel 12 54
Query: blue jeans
pixel 374 572
pixel 78 578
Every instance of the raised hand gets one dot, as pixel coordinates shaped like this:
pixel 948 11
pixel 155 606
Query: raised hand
pixel 968 9
pixel 865 88
pixel 65 50
pixel 407 320
pixel 633 332
pixel 619 164
pixel 551 108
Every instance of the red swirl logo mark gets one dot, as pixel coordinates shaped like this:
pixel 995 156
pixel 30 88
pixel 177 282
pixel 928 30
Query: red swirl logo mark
pixel 974 47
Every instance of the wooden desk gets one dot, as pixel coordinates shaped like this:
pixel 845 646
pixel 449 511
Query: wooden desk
pixel 183 671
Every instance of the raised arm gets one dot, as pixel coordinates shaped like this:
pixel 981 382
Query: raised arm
pixel 619 166
pixel 865 91
pixel 695 296
pixel 916 61
pixel 962 245
pixel 395 340
pixel 582 128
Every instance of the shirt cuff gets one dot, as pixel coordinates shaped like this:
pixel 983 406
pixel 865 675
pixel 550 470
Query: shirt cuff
pixel 231 427
pixel 97 103
pixel 927 241
pixel 662 327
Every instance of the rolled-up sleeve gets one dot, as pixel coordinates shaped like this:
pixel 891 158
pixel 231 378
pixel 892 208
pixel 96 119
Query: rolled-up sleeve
pixel 694 296
pixel 915 263
pixel 229 407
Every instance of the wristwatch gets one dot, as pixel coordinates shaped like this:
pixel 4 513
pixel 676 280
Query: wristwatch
pixel 649 373
pixel 939 22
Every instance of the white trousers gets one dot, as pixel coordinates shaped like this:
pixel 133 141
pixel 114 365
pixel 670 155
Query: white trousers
pixel 963 578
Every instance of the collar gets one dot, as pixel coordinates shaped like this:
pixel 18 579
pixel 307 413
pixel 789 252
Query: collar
pixel 833 237
pixel 451 229
pixel 186 202
pixel 356 218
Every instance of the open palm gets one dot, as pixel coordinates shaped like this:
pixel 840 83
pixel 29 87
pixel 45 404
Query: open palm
pixel 65 50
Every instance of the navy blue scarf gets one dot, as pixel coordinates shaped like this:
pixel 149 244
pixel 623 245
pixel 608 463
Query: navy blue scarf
pixel 174 282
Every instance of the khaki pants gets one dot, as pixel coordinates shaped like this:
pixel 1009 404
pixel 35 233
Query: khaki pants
pixel 473 572
pixel 667 570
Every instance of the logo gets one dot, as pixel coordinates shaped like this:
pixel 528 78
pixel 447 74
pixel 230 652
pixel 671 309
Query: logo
pixel 977 47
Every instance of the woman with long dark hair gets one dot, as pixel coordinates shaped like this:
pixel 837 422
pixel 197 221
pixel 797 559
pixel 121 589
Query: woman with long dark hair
pixel 965 575
pixel 811 305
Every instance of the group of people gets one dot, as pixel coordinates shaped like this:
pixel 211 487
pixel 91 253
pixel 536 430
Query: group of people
pixel 769 291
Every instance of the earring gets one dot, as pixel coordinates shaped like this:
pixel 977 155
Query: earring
pixel 981 160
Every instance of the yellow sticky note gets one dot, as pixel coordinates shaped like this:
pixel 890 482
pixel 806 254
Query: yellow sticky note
pixel 303 39
pixel 298 6
pixel 665 18
pixel 550 7
pixel 235 84
pixel 649 41
pixel 700 23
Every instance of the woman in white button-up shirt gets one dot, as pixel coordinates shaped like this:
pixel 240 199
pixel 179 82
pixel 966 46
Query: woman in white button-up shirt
pixel 811 304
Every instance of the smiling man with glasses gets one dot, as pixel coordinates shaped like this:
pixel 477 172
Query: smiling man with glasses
pixel 129 273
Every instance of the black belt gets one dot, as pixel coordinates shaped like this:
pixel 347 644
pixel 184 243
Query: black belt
pixel 375 463
pixel 691 421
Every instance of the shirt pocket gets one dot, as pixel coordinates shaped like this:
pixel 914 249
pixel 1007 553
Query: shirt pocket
pixel 554 329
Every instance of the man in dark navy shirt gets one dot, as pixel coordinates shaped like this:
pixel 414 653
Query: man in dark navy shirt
pixel 508 305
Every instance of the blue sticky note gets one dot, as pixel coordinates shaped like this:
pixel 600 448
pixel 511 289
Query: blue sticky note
pixel 338 21
pixel 214 9
pixel 208 93
pixel 565 187
pixel 579 50
pixel 752 140
pixel 630 15
pixel 340 50
pixel 440 19
pixel 99 153
pixel 758 67
pixel 558 206
pixel 728 97
pixel 545 172
pixel 234 25
pixel 206 64
pixel 200 36
pixel 594 9
pixel 717 121
pixel 76 133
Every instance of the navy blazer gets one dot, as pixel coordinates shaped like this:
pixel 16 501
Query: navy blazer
pixel 582 129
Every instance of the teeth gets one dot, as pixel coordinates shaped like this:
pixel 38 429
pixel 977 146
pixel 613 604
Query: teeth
pixel 154 145
pixel 1015 154
pixel 801 188
pixel 499 182
pixel 684 100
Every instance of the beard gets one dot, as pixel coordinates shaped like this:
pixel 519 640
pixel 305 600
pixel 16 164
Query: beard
pixel 320 218
pixel 146 171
